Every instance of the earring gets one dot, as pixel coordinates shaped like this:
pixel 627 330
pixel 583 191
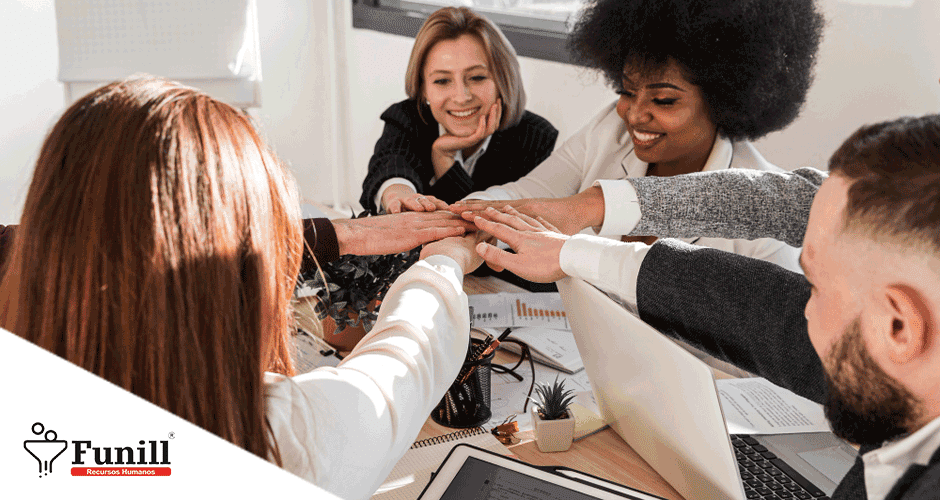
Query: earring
pixel 428 103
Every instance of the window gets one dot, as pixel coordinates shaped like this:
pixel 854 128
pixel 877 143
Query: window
pixel 536 28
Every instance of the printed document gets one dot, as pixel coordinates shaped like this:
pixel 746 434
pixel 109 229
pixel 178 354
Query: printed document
pixel 756 406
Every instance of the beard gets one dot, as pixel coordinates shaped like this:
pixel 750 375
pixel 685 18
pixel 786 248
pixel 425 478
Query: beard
pixel 865 405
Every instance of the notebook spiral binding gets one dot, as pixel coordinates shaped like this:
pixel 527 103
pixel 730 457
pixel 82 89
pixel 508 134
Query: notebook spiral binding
pixel 446 438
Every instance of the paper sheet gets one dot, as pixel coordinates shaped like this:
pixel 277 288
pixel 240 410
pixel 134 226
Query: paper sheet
pixel 502 310
pixel 553 348
pixel 307 353
pixel 756 406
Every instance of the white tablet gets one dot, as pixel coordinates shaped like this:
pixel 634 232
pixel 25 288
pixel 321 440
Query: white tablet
pixel 471 473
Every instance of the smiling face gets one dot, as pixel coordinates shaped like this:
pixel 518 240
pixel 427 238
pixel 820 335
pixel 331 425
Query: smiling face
pixel 458 84
pixel 667 120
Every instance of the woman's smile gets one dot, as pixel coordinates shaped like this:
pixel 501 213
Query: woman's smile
pixel 464 113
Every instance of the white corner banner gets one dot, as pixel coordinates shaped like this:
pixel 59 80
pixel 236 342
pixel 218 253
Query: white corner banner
pixel 67 433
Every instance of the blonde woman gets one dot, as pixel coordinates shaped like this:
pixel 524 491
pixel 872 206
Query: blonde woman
pixel 464 126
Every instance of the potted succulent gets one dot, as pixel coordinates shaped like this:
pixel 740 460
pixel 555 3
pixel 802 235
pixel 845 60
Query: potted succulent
pixel 348 291
pixel 551 418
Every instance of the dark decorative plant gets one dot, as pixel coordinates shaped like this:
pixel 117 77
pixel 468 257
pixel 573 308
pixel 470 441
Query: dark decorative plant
pixel 552 400
pixel 353 282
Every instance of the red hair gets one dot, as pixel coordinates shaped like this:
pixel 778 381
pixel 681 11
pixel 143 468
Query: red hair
pixel 158 249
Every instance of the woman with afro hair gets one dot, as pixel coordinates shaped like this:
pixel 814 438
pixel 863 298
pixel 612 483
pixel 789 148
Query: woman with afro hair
pixel 697 80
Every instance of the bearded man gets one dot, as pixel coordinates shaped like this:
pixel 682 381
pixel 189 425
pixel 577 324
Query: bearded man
pixel 858 333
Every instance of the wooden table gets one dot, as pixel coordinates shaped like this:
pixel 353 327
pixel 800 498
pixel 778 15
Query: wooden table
pixel 603 454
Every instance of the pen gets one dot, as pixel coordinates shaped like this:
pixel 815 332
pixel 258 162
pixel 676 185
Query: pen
pixel 486 352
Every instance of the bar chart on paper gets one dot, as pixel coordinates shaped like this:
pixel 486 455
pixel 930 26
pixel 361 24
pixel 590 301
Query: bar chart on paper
pixel 503 310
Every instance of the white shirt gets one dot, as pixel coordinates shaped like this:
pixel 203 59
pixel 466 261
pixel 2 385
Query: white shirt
pixel 469 164
pixel 344 428
pixel 885 466
pixel 603 150
pixel 613 266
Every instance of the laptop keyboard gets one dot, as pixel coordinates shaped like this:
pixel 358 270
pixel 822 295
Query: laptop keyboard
pixel 766 476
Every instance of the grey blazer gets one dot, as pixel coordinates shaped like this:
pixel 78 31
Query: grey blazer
pixel 745 311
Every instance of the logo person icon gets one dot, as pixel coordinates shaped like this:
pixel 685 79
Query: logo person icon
pixel 45 451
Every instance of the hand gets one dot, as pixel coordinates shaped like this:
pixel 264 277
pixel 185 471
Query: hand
pixel 462 249
pixel 385 234
pixel 400 198
pixel 568 215
pixel 536 242
pixel 446 146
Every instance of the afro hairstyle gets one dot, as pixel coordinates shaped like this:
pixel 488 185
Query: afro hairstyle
pixel 752 59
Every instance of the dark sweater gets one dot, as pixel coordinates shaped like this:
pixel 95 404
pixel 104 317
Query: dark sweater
pixel 745 311
pixel 404 150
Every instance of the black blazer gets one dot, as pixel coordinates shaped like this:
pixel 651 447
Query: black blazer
pixel 404 150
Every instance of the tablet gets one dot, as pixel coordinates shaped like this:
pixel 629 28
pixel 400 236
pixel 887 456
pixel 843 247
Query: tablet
pixel 471 473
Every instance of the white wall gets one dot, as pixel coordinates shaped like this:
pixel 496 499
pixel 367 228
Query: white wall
pixel 293 37
pixel 876 63
pixel 30 96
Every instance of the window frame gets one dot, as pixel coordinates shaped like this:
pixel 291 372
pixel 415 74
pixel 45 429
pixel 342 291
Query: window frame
pixel 546 43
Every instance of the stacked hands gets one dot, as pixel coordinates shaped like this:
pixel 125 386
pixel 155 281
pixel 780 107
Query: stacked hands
pixel 466 232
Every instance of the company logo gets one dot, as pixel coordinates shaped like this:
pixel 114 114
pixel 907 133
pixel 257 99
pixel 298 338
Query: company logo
pixel 146 453
pixel 45 451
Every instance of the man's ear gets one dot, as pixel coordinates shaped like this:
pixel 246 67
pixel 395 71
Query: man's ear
pixel 905 332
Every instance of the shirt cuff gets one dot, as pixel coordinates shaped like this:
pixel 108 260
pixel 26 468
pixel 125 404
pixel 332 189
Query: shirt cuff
pixel 611 265
pixel 493 193
pixel 448 267
pixel 621 207
pixel 390 182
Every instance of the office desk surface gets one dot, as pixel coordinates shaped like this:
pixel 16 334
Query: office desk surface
pixel 603 454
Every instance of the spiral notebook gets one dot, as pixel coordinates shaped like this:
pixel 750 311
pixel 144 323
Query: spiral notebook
pixel 413 472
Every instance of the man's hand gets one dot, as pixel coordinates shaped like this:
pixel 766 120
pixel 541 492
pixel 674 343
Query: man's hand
pixel 385 234
pixel 536 242
pixel 401 198
pixel 446 146
pixel 568 215
pixel 462 249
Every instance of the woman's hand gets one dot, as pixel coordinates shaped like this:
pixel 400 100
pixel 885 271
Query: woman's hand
pixel 461 248
pixel 567 215
pixel 446 146
pixel 401 198
pixel 537 244
pixel 385 234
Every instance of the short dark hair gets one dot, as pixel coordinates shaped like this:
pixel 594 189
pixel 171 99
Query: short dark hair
pixel 894 172
pixel 752 59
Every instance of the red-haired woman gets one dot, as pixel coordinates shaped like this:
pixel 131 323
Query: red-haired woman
pixel 159 247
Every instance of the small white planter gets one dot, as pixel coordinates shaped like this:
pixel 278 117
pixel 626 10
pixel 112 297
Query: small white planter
pixel 552 435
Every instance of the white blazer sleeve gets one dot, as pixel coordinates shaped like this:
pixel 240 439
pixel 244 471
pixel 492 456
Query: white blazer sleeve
pixel 344 428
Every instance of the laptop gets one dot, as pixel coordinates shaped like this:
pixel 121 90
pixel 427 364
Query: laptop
pixel 663 402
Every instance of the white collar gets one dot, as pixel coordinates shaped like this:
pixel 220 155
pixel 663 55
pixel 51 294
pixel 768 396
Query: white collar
pixel 885 466
pixel 476 154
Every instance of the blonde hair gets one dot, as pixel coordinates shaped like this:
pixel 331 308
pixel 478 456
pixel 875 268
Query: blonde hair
pixel 450 23
pixel 159 247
